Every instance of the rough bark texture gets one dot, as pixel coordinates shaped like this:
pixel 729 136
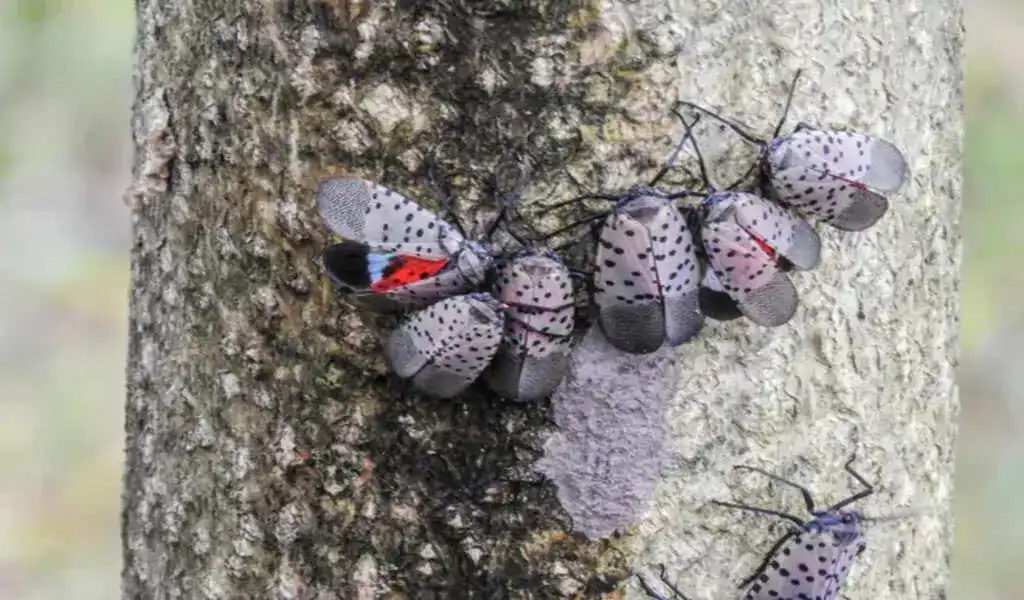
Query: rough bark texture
pixel 269 455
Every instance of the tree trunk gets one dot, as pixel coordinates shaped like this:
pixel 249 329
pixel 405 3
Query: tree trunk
pixel 269 454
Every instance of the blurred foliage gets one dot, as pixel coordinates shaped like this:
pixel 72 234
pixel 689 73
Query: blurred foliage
pixel 65 95
pixel 64 162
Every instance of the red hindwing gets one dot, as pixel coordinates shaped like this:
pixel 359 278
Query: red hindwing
pixel 403 270
pixel 763 246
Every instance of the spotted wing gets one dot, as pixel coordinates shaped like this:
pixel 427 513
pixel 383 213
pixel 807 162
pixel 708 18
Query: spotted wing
pixel 746 272
pixel 385 220
pixel 626 289
pixel 842 567
pixel 804 566
pixel 778 229
pixel 675 260
pixel 836 176
pixel 534 353
pixel 446 346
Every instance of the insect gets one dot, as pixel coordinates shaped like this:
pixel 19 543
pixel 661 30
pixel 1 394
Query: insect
pixel 397 254
pixel 814 558
pixel 646 275
pixel 749 243
pixel 532 289
pixel 534 353
pixel 444 347
pixel 839 177
pixel 743 237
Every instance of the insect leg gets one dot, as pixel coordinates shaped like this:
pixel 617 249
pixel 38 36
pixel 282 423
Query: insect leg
pixel 675 590
pixel 648 589
pixel 696 149
pixel 570 226
pixel 808 501
pixel 767 559
pixel 867 491
pixel 763 511
pixel 789 103
pixel 736 127
pixel 687 135
pixel 507 206
pixel 447 204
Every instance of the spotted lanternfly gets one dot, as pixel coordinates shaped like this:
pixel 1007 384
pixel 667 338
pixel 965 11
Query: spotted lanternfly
pixel 835 176
pixel 646 275
pixel 443 348
pixel 743 237
pixel 397 255
pixel 838 177
pixel 814 558
pixel 533 357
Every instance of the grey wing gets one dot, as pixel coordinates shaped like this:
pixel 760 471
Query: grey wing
pixel 538 290
pixel 839 177
pixel 534 353
pixel 841 568
pixel 675 258
pixel 801 568
pixel 470 334
pixel 419 338
pixel 385 220
pixel 516 374
pixel 778 227
pixel 627 295
pixel 763 293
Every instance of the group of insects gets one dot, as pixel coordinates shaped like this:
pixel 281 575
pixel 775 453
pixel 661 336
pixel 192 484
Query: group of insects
pixel 660 266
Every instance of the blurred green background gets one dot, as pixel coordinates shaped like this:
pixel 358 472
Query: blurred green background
pixel 65 97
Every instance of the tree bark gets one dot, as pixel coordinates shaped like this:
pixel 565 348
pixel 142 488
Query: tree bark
pixel 269 454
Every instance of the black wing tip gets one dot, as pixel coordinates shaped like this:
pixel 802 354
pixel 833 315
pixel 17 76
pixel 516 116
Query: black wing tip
pixel 855 226
pixel 718 305
pixel 346 262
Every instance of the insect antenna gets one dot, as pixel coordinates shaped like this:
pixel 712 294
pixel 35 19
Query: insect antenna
pixel 651 593
pixel 447 204
pixel 867 491
pixel 687 134
pixel 789 103
pixel 557 205
pixel 806 493
pixel 736 127
pixel 585 220
pixel 762 511
pixel 700 159
pixel 509 205
pixel 889 518
pixel 664 579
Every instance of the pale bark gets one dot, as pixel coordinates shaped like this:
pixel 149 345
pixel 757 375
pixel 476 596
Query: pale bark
pixel 242 361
